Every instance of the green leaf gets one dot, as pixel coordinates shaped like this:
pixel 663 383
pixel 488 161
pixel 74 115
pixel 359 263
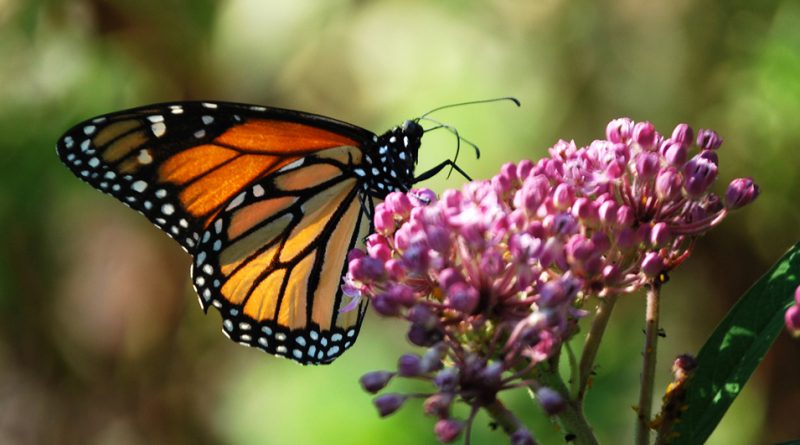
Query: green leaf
pixel 791 442
pixel 736 348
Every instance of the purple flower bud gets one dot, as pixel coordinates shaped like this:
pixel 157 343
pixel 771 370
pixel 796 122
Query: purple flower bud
pixel 401 295
pixel 683 134
pixel 699 173
pixel 402 237
pixel 625 216
pixel 439 239
pixel 438 405
pixel 385 305
pixel 741 191
pixel 668 184
pixel 432 360
pixel 612 274
pixel 797 295
pixel 448 430
pixel 423 316
pixel 398 203
pixel 675 154
pixel 409 365
pixel 647 165
pixel 378 248
pixel 490 375
pixel 384 220
pixel 710 155
pixel 395 269
pixel 522 437
pixel 644 134
pixel 563 196
pixel 509 171
pixel 424 336
pixel 708 139
pixel 375 381
pixel 524 168
pixel 552 294
pixel 416 258
pixel 608 213
pixel 551 400
pixel 388 403
pixel 447 380
pixel 660 234
pixel 793 320
pixel 619 130
pixel 652 264
pixel 463 298
pixel 366 269
pixel 422 197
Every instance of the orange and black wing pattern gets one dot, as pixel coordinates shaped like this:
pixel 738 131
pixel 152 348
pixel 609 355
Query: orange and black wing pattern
pixel 268 202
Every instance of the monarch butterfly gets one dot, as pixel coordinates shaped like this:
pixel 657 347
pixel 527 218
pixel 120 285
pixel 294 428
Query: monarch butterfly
pixel 267 201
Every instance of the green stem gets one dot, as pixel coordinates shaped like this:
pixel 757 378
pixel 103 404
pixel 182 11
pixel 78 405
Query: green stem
pixel 571 418
pixel 505 418
pixel 604 307
pixel 649 364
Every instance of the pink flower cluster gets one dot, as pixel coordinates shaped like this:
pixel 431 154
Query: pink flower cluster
pixel 491 278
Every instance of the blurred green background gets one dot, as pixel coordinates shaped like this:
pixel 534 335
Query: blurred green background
pixel 101 338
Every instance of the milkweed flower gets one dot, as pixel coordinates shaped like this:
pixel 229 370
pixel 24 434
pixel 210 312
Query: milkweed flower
pixel 492 278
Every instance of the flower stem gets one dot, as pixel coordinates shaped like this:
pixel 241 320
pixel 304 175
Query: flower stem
pixel 505 418
pixel 592 345
pixel 571 418
pixel 649 364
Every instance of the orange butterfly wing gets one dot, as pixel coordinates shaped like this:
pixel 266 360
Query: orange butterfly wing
pixel 266 201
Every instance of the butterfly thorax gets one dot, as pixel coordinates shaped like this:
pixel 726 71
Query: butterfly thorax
pixel 389 162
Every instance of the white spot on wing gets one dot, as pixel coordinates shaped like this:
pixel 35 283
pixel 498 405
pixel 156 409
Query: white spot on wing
pixel 144 157
pixel 209 105
pixel 158 129
pixel 258 191
pixel 207 119
pixel 139 186
pixel 155 118
pixel 237 201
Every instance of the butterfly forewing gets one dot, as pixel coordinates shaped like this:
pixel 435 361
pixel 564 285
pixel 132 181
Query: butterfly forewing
pixel 179 164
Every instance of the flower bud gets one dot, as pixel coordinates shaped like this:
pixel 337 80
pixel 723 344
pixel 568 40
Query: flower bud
pixel 378 248
pixel 462 297
pixel 447 379
pixel 398 203
pixel 741 191
pixel 409 365
pixel 375 381
pixel 551 400
pixel 660 234
pixel 675 154
pixel 438 405
pixel 793 320
pixel 797 295
pixel 388 403
pixel 619 130
pixel 652 264
pixel 644 134
pixel 422 197
pixel 448 430
pixel 708 139
pixel 668 184
pixel 563 196
pixel 522 437
pixel 524 168
pixel 384 220
pixel 683 134
pixel 385 305
pixel 366 269
pixel 699 173
pixel 424 336
pixel 647 165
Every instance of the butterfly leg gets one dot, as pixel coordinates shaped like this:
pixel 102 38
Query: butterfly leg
pixel 432 172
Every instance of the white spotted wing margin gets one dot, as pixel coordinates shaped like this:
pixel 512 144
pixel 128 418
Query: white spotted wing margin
pixel 272 261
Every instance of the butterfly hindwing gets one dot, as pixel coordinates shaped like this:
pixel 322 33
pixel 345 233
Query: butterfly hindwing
pixel 272 260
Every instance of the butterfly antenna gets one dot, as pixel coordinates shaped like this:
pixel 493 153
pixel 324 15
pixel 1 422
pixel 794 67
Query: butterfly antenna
pixel 473 102
pixel 459 139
